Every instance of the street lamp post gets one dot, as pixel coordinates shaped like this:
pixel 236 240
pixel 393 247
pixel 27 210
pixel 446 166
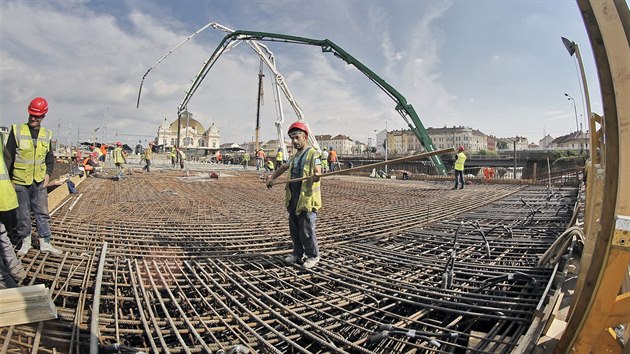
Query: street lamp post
pixel 573 48
pixel 577 125
pixel 386 138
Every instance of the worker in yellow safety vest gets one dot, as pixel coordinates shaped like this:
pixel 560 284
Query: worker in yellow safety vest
pixel 279 158
pixel 118 155
pixel 173 157
pixel 148 156
pixel 11 270
pixel 459 168
pixel 302 199
pixel 30 161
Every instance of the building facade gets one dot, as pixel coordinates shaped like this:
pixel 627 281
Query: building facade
pixel 192 134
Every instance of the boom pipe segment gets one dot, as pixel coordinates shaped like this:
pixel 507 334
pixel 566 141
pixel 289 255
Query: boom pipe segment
pixel 373 165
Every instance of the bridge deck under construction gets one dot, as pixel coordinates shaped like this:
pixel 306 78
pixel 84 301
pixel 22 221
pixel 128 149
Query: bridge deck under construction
pixel 192 264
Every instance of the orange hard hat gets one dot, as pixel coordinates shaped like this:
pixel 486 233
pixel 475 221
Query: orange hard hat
pixel 298 125
pixel 38 107
pixel 461 148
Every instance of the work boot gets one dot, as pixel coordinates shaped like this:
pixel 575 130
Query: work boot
pixel 26 245
pixel 19 274
pixel 45 246
pixel 310 262
pixel 454 188
pixel 292 259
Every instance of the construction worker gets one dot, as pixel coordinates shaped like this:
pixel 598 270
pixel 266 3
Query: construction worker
pixel 148 156
pixel 325 160
pixel 332 159
pixel 182 157
pixel 90 164
pixel 459 168
pixel 119 159
pixel 219 157
pixel 269 165
pixel 103 153
pixel 245 159
pixel 30 161
pixel 279 158
pixel 98 151
pixel 260 159
pixel 11 270
pixel 173 157
pixel 302 199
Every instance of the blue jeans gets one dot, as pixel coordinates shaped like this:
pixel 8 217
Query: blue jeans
pixel 32 198
pixel 459 177
pixel 302 228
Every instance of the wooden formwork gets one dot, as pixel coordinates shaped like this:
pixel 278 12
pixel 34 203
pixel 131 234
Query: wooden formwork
pixel 602 297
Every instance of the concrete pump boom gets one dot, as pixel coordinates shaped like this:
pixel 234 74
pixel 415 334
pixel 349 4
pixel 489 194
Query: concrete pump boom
pixel 405 109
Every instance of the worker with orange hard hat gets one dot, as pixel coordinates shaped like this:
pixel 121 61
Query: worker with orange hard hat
pixel 302 199
pixel 30 161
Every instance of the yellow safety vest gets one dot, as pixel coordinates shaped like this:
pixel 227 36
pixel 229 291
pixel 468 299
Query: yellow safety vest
pixel 117 154
pixel 9 198
pixel 173 152
pixel 148 153
pixel 30 161
pixel 310 193
pixel 459 163
pixel 279 156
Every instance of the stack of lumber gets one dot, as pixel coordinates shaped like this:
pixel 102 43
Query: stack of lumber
pixel 25 305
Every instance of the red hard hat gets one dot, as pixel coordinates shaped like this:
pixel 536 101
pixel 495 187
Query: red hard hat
pixel 298 125
pixel 461 148
pixel 119 144
pixel 38 107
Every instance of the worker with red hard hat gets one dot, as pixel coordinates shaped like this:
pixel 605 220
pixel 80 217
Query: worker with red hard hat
pixel 302 199
pixel 30 161
pixel 118 155
pixel 459 168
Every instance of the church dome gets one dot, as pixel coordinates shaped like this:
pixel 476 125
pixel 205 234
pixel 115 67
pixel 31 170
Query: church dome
pixel 187 122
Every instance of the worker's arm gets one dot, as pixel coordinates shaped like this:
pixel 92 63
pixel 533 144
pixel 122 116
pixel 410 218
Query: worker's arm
pixel 9 152
pixel 318 171
pixel 50 161
pixel 277 173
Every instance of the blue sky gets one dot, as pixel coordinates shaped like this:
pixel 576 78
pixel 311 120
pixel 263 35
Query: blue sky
pixel 496 66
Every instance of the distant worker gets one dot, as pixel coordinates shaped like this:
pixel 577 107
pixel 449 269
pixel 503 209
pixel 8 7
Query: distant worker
pixel 30 161
pixel 279 158
pixel 90 164
pixel 11 270
pixel 181 155
pixel 148 157
pixel 325 160
pixel 103 154
pixel 332 159
pixel 245 159
pixel 302 199
pixel 219 157
pixel 269 165
pixel 260 159
pixel 119 159
pixel 173 157
pixel 98 152
pixel 459 168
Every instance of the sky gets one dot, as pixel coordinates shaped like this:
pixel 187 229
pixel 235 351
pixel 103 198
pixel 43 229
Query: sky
pixel 496 66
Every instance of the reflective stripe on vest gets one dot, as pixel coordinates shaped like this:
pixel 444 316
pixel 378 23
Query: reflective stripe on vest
pixel 30 160
pixel 9 198
pixel 310 194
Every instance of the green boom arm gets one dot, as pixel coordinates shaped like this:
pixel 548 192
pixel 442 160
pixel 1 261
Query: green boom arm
pixel 402 107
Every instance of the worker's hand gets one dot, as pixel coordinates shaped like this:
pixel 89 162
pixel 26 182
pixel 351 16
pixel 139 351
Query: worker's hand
pixel 46 179
pixel 315 177
pixel 269 182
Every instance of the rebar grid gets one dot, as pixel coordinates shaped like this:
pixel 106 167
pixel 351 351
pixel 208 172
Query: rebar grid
pixel 195 265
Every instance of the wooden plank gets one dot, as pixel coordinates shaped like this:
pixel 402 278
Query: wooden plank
pixel 25 305
pixel 16 294
pixel 620 313
pixel 608 343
